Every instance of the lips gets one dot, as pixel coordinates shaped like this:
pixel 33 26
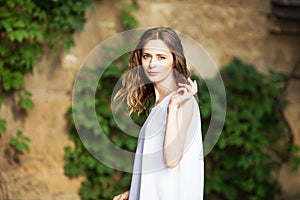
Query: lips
pixel 152 73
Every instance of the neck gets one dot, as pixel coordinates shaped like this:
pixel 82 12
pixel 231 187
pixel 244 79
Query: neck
pixel 162 90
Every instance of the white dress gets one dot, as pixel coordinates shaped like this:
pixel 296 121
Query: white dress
pixel 152 179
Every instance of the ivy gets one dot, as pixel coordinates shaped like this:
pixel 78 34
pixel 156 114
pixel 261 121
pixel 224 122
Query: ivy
pixel 253 144
pixel 101 182
pixel 128 20
pixel 20 142
pixel 25 100
pixel 26 27
pixel 2 126
pixel 254 141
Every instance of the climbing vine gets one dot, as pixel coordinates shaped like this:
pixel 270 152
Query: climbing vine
pixel 253 143
pixel 100 181
pixel 26 28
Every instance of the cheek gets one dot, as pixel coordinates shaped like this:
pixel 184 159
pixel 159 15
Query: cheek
pixel 171 61
pixel 144 67
pixel 170 64
pixel 145 63
pixel 167 66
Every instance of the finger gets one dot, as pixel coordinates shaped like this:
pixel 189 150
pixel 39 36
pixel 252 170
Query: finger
pixel 196 85
pixel 188 87
pixel 126 194
pixel 193 85
pixel 118 197
pixel 123 197
pixel 182 90
pixel 183 94
pixel 195 88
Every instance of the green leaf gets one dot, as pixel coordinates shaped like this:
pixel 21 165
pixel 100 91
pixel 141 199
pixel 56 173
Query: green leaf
pixel 20 35
pixel 20 142
pixel 2 125
pixel 25 100
pixel 11 3
pixel 19 24
pixel 128 20
pixel 252 130
pixel 130 6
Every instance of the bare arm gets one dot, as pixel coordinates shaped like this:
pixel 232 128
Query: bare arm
pixel 180 113
pixel 178 122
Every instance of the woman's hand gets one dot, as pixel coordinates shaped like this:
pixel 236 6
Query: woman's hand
pixel 184 93
pixel 123 196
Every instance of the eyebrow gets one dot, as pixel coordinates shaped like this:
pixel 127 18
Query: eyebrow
pixel 159 54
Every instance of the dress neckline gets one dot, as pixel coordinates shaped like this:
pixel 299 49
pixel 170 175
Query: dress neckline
pixel 164 99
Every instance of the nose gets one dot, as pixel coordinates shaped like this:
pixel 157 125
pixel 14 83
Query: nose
pixel 153 62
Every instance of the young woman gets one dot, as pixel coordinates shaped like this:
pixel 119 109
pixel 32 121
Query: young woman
pixel 169 157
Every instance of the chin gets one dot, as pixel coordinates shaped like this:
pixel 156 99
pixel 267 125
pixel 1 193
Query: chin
pixel 154 80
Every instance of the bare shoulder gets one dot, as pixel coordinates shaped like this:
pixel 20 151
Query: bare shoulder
pixel 188 106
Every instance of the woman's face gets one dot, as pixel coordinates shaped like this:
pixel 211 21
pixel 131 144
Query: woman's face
pixel 157 61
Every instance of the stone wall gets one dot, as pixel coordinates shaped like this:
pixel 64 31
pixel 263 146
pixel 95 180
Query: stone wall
pixel 224 28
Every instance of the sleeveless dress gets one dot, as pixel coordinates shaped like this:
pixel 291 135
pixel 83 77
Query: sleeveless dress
pixel 152 179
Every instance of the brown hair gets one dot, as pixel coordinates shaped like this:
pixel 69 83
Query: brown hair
pixel 136 90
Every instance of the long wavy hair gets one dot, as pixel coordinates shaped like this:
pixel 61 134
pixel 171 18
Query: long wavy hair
pixel 137 91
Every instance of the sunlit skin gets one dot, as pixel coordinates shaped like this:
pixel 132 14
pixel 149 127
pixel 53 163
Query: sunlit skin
pixel 157 62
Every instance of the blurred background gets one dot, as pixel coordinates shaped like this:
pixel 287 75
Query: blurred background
pixel 255 44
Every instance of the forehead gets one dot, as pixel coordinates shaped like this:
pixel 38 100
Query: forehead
pixel 156 46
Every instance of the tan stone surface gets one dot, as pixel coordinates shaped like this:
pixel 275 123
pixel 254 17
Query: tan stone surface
pixel 289 182
pixel 292 111
pixel 224 28
pixel 40 173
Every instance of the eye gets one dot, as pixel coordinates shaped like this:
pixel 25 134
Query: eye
pixel 161 57
pixel 145 56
